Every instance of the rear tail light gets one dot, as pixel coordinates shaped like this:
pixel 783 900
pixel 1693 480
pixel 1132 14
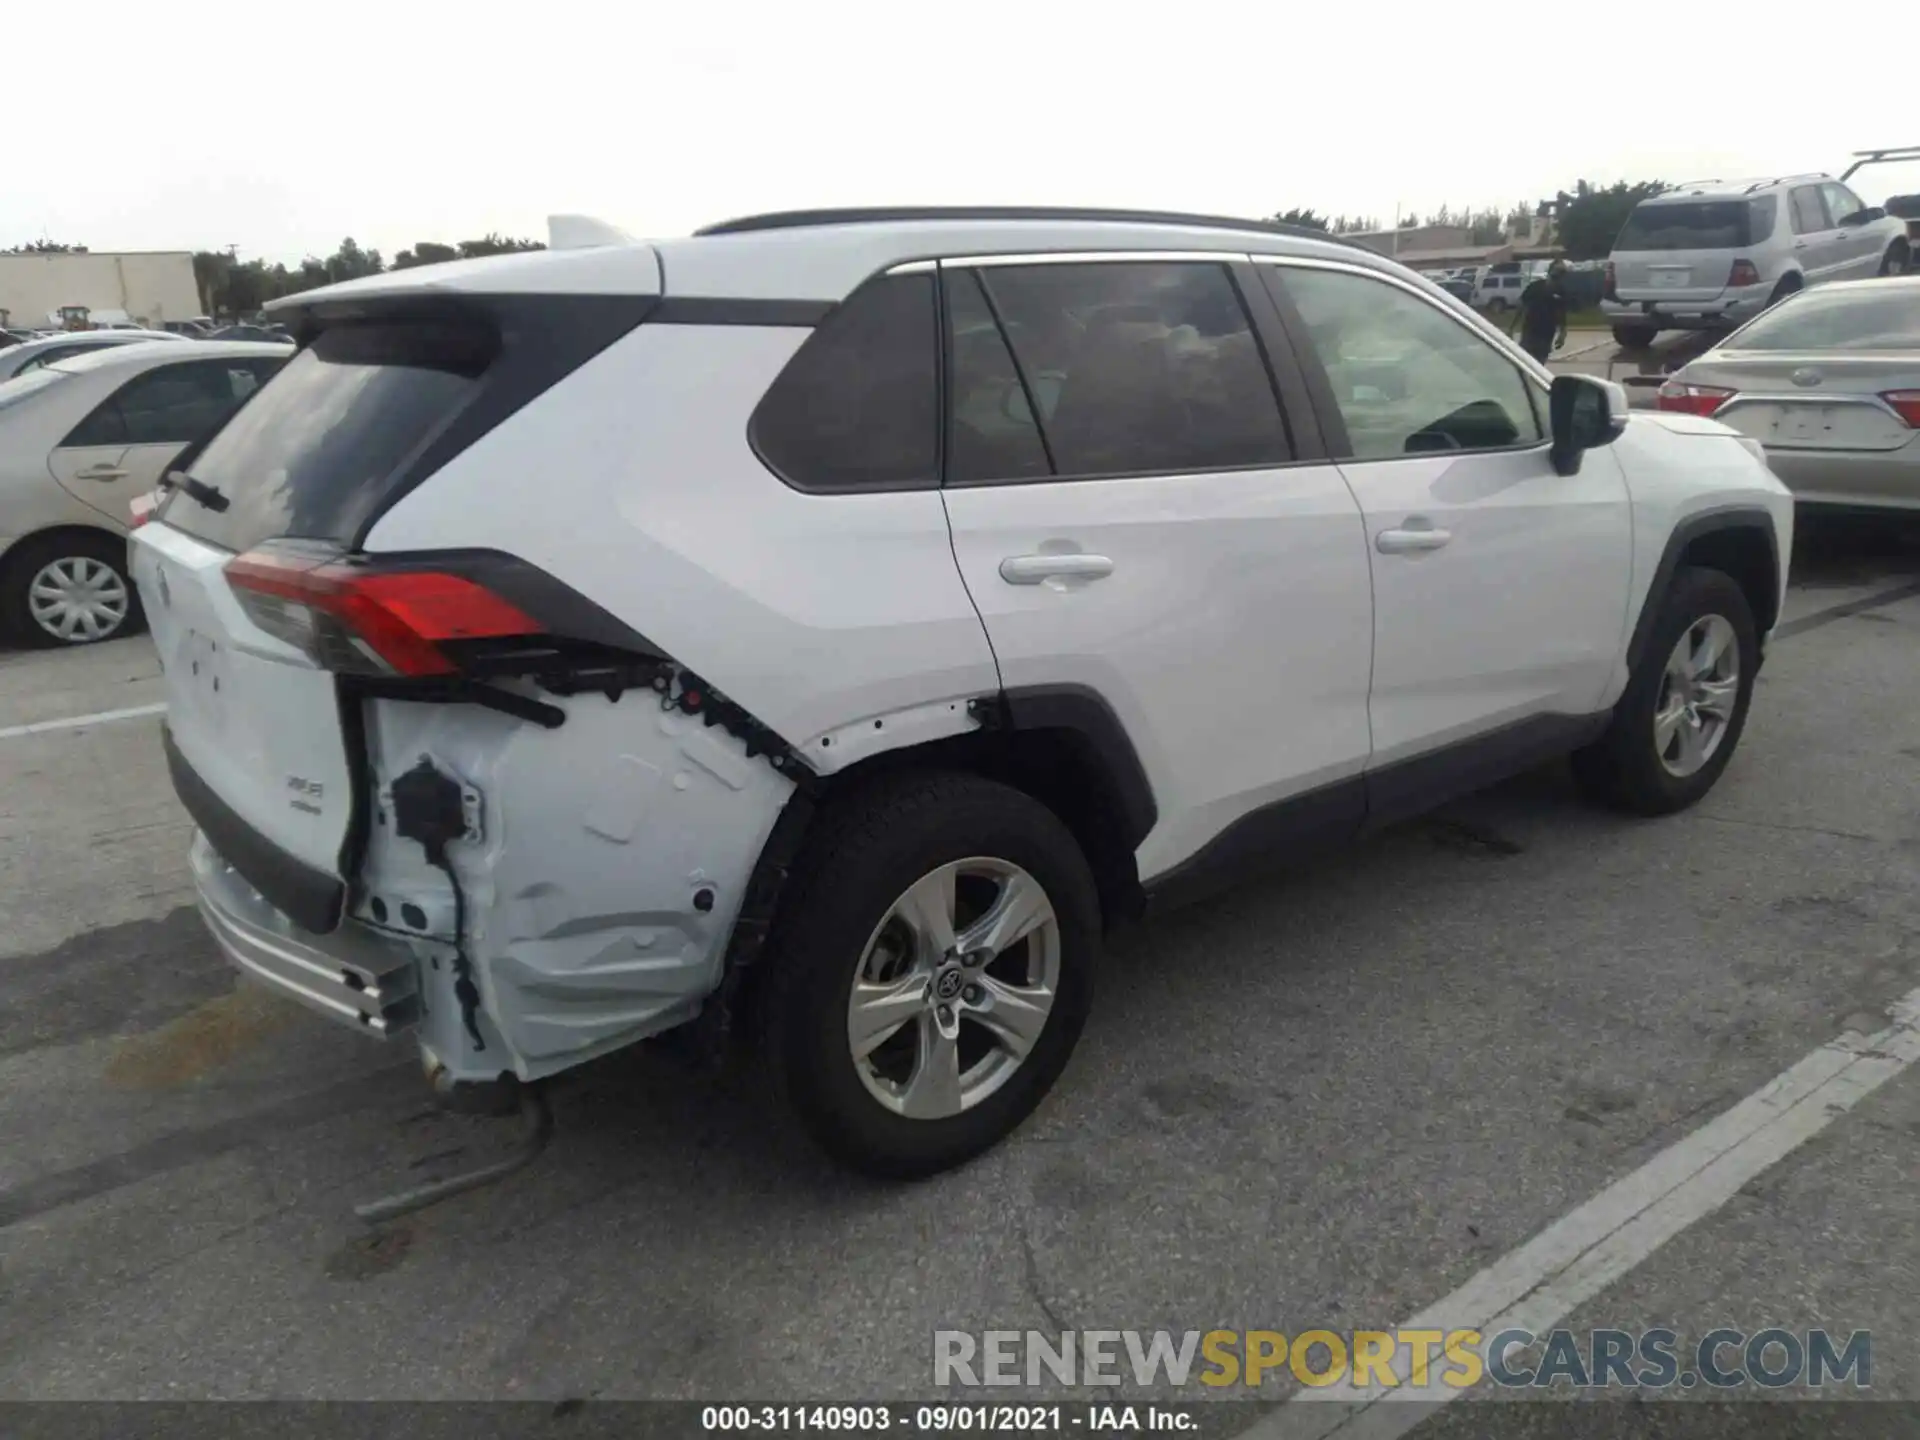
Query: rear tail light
pixel 1906 404
pixel 1688 399
pixel 1608 289
pixel 1743 273
pixel 355 618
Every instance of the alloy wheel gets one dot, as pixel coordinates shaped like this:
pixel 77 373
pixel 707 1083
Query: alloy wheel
pixel 954 988
pixel 1698 691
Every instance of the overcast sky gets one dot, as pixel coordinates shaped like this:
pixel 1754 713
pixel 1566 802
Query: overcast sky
pixel 281 128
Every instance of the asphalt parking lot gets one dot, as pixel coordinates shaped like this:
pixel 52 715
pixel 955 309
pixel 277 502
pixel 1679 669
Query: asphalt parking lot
pixel 1330 1100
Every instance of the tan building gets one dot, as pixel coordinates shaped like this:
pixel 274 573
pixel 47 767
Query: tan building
pixel 1435 247
pixel 150 286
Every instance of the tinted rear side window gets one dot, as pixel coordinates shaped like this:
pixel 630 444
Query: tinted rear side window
pixel 316 451
pixel 1140 367
pixel 858 406
pixel 1687 225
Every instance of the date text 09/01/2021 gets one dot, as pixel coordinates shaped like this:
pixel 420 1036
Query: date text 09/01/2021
pixel 945 1419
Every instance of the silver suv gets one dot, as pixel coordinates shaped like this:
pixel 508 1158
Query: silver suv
pixel 1713 254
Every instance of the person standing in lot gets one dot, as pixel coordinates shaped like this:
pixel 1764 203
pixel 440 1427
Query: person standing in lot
pixel 1543 311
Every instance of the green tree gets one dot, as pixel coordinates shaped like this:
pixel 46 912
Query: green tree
pixel 425 252
pixel 1588 219
pixel 1305 219
pixel 492 244
pixel 350 262
pixel 211 272
pixel 47 247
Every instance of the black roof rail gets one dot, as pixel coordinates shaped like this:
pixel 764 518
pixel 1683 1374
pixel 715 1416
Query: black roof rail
pixel 803 219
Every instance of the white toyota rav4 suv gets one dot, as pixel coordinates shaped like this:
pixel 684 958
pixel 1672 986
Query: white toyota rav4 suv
pixel 826 626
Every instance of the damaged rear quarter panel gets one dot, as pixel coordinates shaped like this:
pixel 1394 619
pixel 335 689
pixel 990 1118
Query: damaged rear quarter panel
pixel 602 840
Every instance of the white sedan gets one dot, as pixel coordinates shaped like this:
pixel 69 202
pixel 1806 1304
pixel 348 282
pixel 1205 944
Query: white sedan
pixel 47 349
pixel 81 439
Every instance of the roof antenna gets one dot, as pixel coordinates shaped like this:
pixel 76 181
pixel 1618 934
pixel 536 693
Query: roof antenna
pixel 582 232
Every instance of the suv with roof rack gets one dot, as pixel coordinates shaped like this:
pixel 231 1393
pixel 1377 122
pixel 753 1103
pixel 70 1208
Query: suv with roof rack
pixel 1712 254
pixel 824 628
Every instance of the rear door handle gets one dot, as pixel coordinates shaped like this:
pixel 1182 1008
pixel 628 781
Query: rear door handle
pixel 1033 569
pixel 1411 540
pixel 101 472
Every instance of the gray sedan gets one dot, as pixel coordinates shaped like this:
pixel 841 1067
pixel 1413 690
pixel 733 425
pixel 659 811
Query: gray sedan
pixel 1829 382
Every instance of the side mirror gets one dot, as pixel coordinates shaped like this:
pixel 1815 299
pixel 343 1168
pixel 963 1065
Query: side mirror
pixel 1862 217
pixel 1585 413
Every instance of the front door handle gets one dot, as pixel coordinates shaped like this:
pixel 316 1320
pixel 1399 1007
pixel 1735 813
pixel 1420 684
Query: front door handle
pixel 101 472
pixel 1033 569
pixel 1411 540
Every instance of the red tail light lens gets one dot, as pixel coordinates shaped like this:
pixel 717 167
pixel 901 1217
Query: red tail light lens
pixel 358 619
pixel 1691 399
pixel 1743 273
pixel 1906 404
pixel 1607 288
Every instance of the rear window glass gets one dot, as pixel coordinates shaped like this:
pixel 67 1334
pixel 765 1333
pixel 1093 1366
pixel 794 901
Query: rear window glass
pixel 317 450
pixel 1688 225
pixel 12 392
pixel 1871 319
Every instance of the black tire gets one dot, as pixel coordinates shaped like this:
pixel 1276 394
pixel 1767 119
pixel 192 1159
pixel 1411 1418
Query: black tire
pixel 1623 769
pixel 867 850
pixel 1789 285
pixel 1634 337
pixel 1898 260
pixel 30 557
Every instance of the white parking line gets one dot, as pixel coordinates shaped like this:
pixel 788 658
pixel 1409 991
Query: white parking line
pixel 74 722
pixel 1537 1286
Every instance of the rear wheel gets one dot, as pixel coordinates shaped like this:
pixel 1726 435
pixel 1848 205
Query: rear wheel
pixel 1634 337
pixel 1790 285
pixel 68 588
pixel 1898 260
pixel 933 970
pixel 1680 718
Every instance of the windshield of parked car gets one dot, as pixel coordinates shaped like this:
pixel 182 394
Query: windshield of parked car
pixel 1687 225
pixel 1870 317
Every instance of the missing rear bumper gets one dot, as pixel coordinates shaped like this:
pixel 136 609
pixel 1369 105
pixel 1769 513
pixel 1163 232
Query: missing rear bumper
pixel 349 976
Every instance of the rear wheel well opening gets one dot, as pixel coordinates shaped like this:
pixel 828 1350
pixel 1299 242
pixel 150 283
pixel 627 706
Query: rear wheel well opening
pixel 1789 283
pixel 1059 767
pixel 26 543
pixel 1743 553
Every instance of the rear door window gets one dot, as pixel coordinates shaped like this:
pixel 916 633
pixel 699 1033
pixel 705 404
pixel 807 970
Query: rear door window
pixel 1687 225
pixel 1139 367
pixel 858 405
pixel 1809 210
pixel 991 430
pixel 315 453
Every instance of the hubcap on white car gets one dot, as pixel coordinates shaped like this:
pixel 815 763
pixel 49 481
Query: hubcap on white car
pixel 1697 694
pixel 78 598
pixel 954 987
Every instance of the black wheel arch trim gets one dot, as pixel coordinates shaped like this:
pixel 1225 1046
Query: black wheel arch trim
pixel 1694 527
pixel 1085 711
